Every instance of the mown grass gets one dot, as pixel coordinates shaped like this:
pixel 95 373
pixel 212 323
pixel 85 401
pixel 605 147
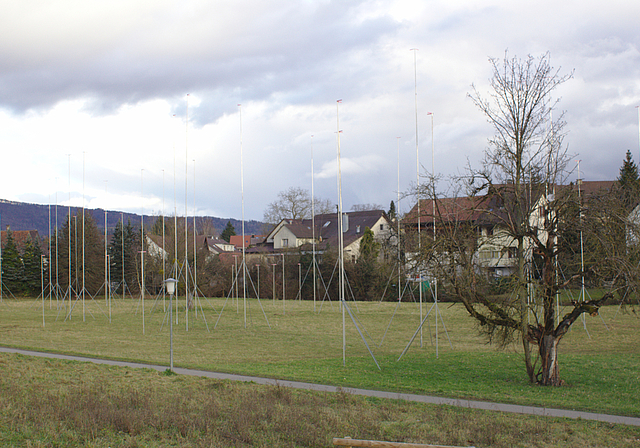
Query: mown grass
pixel 56 403
pixel 599 360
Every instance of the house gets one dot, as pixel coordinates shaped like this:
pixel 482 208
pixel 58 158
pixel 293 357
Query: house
pixel 20 238
pixel 249 240
pixel 155 246
pixel 323 230
pixel 496 249
pixel 215 246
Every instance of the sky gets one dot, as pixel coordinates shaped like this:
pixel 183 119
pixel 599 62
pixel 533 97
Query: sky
pixel 139 106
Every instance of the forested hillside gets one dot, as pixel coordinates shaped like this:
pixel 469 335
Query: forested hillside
pixel 25 216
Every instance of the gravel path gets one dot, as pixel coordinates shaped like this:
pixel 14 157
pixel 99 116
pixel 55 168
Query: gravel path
pixel 473 404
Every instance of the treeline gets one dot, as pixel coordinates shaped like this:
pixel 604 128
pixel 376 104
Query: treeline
pixel 78 261
pixel 23 272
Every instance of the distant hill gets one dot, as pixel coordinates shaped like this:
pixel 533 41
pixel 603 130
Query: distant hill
pixel 25 216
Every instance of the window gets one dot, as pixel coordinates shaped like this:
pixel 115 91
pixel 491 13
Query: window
pixel 381 226
pixel 285 242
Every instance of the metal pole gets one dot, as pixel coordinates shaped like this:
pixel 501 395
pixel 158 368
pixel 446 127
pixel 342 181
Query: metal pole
pixel 398 225
pixel 313 229
pixel 433 212
pixel 415 74
pixel 299 281
pixel 244 264
pixel 83 226
pixel 258 292
pixel 142 245
pixel 186 231
pixel 171 331
pixel 341 241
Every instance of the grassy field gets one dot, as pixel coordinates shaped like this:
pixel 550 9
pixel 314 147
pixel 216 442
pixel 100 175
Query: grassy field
pixel 599 360
pixel 56 403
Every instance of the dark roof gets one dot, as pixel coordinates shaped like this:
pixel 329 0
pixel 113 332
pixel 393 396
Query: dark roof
pixel 452 210
pixel 327 225
pixel 590 187
pixel 488 208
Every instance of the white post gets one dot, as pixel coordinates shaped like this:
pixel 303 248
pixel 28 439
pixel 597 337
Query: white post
pixel 433 212
pixel 313 230
pixel 83 226
pixel 186 232
pixel 142 246
pixel 398 226
pixel 273 271
pixel 415 75
pixel 170 286
pixel 42 285
pixel 258 293
pixel 244 264
pixel 341 242
pixel 106 255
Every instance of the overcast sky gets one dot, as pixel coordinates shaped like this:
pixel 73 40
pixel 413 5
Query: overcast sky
pixel 93 95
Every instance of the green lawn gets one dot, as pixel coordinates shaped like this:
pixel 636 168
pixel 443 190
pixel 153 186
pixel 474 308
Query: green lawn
pixel 599 360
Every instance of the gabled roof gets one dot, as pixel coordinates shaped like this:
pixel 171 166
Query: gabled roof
pixel 20 238
pixel 488 208
pixel 590 187
pixel 326 226
pixel 249 240
pixel 461 209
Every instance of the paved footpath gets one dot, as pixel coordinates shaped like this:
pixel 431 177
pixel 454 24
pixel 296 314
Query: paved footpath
pixel 512 408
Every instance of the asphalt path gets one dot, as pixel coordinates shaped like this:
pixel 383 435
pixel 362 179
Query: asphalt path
pixel 472 404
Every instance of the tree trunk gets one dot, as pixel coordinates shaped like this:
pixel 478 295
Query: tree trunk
pixel 548 350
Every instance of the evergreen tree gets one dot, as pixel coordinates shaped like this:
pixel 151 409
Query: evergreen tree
pixel 369 247
pixel 392 211
pixel 228 232
pixel 156 228
pixel 32 268
pixel 67 252
pixel 629 182
pixel 86 245
pixel 12 268
pixel 124 241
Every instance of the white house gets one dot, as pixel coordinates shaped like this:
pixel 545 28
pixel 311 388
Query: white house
pixel 299 234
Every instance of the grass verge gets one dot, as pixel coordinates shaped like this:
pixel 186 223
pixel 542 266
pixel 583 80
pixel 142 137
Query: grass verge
pixel 55 403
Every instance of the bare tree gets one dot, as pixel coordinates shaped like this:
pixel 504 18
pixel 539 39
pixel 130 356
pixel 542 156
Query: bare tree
pixel 294 203
pixel 521 198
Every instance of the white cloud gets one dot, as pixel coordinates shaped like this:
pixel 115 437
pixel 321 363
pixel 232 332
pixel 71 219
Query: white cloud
pixel 102 81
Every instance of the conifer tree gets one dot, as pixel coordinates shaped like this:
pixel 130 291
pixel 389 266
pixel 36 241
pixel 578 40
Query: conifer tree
pixel 629 182
pixel 32 268
pixel 124 247
pixel 228 232
pixel 392 211
pixel 12 268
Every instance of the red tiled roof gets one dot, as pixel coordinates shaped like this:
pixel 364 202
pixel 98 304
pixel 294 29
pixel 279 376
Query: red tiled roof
pixel 20 237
